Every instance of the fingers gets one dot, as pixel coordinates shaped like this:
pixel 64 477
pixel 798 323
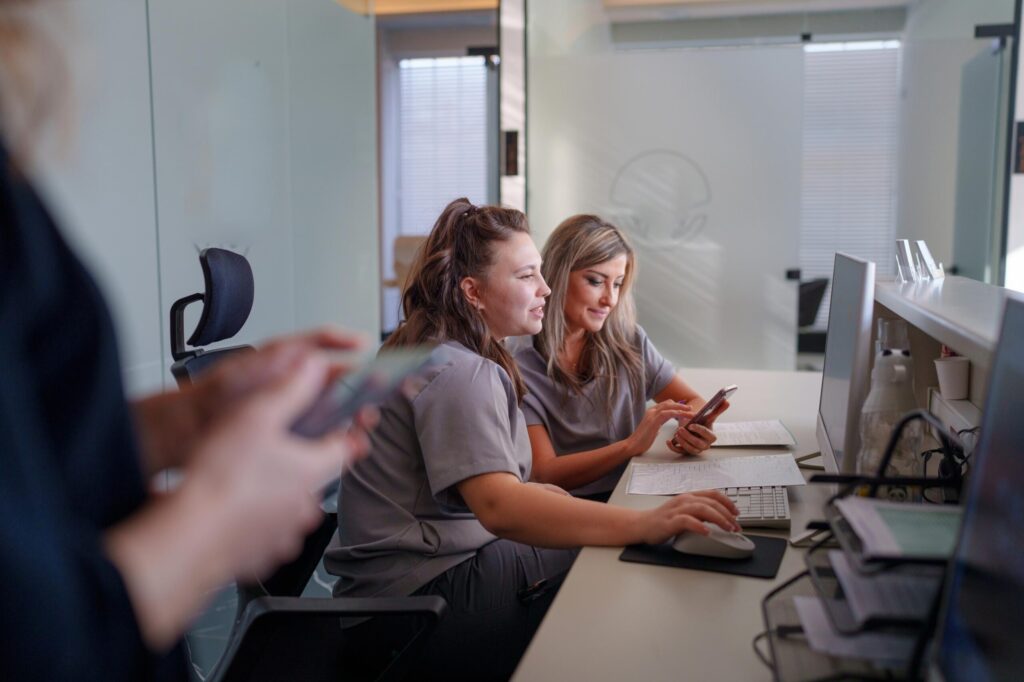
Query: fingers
pixel 721 498
pixel 664 411
pixel 693 439
pixel 283 399
pixel 367 418
pixel 710 422
pixel 333 338
pixel 322 338
pixel 690 524
pixel 711 510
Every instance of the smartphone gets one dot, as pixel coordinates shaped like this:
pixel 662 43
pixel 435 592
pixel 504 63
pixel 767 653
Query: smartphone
pixel 710 406
pixel 369 384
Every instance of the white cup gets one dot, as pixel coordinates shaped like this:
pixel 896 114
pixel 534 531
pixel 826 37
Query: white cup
pixel 953 374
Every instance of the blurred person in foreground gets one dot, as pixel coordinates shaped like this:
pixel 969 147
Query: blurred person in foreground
pixel 99 576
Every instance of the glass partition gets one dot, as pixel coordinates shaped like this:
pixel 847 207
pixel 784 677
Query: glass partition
pixel 740 152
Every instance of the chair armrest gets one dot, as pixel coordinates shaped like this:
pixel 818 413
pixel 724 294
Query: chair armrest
pixel 344 607
pixel 265 620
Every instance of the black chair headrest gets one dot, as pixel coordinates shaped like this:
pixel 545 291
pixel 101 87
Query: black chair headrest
pixel 809 300
pixel 228 298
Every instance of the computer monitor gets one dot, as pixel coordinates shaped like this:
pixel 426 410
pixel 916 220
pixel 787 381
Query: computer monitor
pixel 846 375
pixel 982 615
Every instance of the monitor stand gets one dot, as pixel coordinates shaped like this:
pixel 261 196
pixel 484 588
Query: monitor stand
pixel 802 459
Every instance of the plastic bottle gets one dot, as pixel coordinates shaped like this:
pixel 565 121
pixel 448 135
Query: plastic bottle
pixel 890 398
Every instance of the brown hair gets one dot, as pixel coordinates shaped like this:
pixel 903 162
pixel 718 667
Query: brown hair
pixel 580 242
pixel 460 245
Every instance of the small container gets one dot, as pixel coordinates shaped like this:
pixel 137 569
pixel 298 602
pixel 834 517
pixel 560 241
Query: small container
pixel 954 377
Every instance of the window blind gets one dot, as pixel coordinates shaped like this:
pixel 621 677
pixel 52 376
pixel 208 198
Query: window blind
pixel 851 120
pixel 442 138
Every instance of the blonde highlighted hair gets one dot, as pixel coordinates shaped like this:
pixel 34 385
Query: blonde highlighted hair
pixel 581 242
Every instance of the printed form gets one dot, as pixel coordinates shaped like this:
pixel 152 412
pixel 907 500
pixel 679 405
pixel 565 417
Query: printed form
pixel 739 434
pixel 671 478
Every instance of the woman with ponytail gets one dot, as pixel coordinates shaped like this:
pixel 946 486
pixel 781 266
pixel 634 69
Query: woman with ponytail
pixel 443 505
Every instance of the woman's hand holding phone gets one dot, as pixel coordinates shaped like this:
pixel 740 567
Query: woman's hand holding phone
pixel 695 435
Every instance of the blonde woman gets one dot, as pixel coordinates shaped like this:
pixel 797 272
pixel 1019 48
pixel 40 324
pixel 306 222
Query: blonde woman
pixel 444 505
pixel 592 369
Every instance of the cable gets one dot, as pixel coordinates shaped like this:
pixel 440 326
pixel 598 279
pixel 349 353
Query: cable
pixel 757 650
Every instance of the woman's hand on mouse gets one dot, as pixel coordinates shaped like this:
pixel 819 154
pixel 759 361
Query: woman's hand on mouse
pixel 688 512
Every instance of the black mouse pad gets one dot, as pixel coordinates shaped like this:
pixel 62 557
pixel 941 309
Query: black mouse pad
pixel 764 563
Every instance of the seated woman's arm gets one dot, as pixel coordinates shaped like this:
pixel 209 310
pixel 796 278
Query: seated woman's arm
pixel 535 516
pixel 580 468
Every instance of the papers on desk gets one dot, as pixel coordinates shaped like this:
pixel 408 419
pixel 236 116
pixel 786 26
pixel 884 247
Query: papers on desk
pixel 885 595
pixel 875 646
pixel 902 530
pixel 743 434
pixel 671 478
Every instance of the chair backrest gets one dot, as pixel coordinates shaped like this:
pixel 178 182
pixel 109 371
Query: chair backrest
pixel 227 301
pixel 811 294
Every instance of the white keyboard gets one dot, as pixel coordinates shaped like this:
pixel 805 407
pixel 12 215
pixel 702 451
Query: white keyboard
pixel 761 507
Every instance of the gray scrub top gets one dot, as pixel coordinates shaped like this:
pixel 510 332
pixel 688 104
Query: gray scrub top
pixel 401 520
pixel 576 423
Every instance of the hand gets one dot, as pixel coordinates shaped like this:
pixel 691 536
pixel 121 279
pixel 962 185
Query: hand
pixel 642 438
pixel 171 424
pixel 551 488
pixel 263 479
pixel 250 494
pixel 687 512
pixel 693 439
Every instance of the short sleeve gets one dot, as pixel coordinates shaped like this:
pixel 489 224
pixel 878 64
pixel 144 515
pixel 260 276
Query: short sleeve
pixel 464 422
pixel 533 411
pixel 658 371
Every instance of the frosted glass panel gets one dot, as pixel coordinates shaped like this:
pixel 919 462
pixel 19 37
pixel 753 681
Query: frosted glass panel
pixel 264 127
pixel 697 155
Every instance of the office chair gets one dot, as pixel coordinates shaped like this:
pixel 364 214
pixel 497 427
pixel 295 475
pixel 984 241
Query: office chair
pixel 812 292
pixel 227 302
pixel 277 635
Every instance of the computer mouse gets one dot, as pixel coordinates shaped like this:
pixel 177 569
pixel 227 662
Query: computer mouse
pixel 720 544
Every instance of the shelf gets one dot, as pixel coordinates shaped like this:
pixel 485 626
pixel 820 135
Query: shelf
pixel 961 313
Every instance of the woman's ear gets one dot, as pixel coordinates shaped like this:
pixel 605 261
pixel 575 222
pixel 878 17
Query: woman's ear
pixel 471 290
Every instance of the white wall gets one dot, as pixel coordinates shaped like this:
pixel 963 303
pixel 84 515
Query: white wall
pixel 938 42
pixel 102 187
pixel 260 138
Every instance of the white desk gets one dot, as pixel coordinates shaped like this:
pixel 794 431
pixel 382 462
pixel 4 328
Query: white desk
pixel 614 620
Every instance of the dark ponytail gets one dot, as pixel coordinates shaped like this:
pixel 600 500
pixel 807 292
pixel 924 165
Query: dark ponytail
pixel 460 245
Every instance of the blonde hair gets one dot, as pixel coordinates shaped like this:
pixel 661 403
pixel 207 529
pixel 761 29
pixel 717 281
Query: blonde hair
pixel 34 79
pixel 461 244
pixel 580 242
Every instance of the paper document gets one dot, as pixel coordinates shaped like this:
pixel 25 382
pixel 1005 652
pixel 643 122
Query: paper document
pixel 670 478
pixel 890 648
pixel 887 595
pixel 902 530
pixel 734 434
